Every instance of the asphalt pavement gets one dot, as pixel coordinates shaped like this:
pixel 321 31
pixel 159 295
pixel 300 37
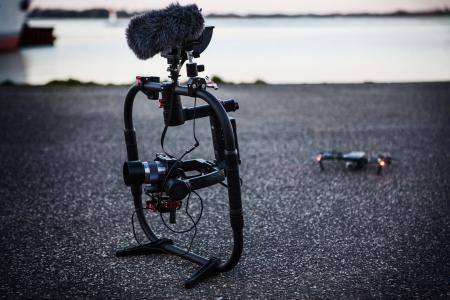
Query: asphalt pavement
pixel 335 234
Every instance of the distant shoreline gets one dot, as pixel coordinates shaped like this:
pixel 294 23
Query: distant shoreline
pixel 77 83
pixel 102 13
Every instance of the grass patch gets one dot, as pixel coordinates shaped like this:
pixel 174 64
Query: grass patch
pixel 260 82
pixel 71 82
pixel 8 82
pixel 219 80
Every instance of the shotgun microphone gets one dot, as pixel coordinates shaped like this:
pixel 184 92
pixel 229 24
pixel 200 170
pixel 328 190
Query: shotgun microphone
pixel 162 30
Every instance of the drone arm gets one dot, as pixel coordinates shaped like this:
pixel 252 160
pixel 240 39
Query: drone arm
pixel 333 155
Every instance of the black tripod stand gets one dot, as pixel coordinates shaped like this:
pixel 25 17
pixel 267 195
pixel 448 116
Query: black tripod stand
pixel 165 177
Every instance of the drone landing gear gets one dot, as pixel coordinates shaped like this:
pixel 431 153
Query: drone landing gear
pixel 159 246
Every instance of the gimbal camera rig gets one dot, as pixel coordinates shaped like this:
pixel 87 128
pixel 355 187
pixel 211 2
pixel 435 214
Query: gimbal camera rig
pixel 354 160
pixel 166 179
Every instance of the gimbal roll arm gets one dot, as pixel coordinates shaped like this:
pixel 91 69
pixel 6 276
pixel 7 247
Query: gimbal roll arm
pixel 231 171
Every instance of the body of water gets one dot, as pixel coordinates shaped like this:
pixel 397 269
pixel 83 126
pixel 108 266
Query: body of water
pixel 276 50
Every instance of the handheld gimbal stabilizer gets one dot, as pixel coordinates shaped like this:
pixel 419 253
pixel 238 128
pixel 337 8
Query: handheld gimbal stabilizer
pixel 166 179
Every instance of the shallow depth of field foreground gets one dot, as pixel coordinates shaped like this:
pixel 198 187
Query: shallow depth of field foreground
pixel 335 234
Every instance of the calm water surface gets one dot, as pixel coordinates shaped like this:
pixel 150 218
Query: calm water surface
pixel 300 50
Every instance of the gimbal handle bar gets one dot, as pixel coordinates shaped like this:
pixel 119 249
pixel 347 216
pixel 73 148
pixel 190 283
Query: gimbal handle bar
pixel 231 170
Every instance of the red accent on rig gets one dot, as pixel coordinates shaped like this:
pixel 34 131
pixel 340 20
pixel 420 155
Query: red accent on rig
pixel 161 103
pixel 152 205
pixel 138 80
pixel 172 204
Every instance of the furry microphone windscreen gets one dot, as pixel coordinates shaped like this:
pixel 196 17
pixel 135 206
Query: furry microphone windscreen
pixel 161 30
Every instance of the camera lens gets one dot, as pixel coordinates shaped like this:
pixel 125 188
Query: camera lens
pixel 137 172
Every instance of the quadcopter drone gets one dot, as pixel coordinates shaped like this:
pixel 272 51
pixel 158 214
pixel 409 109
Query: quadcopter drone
pixel 354 160
pixel 178 33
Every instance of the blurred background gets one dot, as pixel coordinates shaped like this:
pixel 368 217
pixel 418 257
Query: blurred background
pixel 283 41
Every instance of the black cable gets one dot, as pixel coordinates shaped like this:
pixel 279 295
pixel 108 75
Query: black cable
pixel 196 144
pixel 223 184
pixel 194 226
pixel 194 223
pixel 163 136
pixel 187 213
pixel 226 185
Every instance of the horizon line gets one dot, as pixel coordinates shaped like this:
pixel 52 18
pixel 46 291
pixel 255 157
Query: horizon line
pixel 128 13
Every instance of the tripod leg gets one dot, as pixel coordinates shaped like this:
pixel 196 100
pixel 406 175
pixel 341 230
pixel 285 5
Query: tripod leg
pixel 155 247
pixel 206 270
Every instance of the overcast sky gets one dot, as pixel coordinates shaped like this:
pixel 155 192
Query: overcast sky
pixel 257 6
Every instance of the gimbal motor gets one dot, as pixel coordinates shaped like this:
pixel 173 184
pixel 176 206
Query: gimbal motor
pixel 168 180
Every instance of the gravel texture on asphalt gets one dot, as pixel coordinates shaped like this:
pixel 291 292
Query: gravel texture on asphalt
pixel 335 234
